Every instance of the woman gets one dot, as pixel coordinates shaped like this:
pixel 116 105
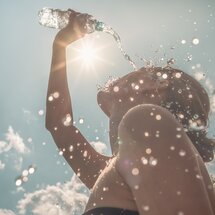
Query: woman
pixel 158 120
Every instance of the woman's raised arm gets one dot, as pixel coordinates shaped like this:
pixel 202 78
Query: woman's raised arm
pixel 81 156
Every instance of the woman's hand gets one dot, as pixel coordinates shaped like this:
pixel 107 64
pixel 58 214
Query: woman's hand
pixel 73 31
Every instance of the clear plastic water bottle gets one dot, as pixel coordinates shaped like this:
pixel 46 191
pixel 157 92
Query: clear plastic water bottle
pixel 58 19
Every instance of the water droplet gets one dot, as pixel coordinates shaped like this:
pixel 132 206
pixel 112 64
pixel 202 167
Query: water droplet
pixel 189 58
pixel 30 140
pixel 180 91
pixel 131 99
pixel 105 188
pixel 18 182
pixel 67 121
pixel 178 193
pixel 50 98
pixel 178 129
pixel 178 75
pixel 31 169
pixel 170 62
pixel 60 153
pixel 190 96
pixel 135 171
pixel 141 81
pixel 116 89
pixel 148 151
pixel 25 179
pixel 198 176
pixel 158 74
pixel 195 41
pixel 41 112
pixel 183 42
pixel 56 95
pixel 144 160
pixel 164 76
pixel 182 153
pixel 25 172
pixel 178 136
pixel 81 120
pixel 181 116
pixel 158 117
pixel 71 148
pixel 180 213
pixel 172 148
pixel 136 87
pixel 136 187
pixel 153 161
pixel 145 207
pixel 146 134
pixel 85 154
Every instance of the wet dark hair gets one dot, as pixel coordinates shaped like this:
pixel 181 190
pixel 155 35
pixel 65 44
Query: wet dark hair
pixel 188 101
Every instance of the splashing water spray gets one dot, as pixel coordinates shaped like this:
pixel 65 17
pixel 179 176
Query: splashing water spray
pixel 58 19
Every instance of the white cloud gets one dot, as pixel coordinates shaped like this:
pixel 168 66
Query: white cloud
pixel 2 165
pixel 15 141
pixel 6 212
pixel 69 198
pixel 13 146
pixel 99 147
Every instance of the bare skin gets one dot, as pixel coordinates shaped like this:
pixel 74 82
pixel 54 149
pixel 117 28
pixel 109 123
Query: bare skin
pixel 68 138
pixel 113 180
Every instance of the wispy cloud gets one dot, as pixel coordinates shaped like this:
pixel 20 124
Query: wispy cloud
pixel 6 212
pixel 13 142
pixel 65 199
pixel 13 146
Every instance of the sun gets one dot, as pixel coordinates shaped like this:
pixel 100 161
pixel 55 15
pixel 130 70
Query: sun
pixel 87 55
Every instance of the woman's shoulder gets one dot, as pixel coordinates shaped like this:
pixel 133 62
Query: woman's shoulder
pixel 150 134
pixel 147 123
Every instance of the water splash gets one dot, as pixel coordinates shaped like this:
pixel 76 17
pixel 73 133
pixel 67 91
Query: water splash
pixel 109 30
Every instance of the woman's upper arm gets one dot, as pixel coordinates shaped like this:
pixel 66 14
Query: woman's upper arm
pixel 157 161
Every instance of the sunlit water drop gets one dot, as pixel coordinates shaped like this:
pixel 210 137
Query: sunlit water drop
pixel 81 120
pixel 41 112
pixel 195 41
pixel 135 171
pixel 18 182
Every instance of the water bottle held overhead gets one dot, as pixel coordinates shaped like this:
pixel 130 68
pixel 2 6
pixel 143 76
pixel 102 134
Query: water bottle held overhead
pixel 58 19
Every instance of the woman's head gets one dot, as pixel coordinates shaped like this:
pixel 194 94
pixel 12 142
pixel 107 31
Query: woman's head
pixel 173 89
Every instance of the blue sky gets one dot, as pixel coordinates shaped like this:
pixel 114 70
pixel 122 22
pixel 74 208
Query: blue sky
pixel 148 29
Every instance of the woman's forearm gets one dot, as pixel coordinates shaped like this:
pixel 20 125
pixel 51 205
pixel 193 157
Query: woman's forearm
pixel 58 102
